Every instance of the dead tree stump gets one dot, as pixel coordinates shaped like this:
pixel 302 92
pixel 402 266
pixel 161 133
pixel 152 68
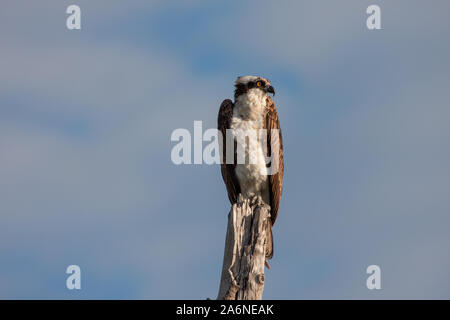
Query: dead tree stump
pixel 244 254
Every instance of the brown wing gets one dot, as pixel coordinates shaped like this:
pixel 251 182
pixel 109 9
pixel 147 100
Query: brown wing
pixel 228 175
pixel 276 179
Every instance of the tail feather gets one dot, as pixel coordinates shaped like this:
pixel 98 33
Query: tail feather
pixel 269 241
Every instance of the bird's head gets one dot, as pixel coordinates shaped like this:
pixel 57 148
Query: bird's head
pixel 246 83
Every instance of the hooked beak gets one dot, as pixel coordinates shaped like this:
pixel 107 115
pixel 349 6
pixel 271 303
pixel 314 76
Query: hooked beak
pixel 271 90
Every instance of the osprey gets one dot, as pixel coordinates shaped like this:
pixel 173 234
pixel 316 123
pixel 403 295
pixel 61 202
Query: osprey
pixel 253 109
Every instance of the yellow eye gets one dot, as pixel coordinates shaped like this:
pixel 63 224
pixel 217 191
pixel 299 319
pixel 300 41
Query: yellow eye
pixel 258 84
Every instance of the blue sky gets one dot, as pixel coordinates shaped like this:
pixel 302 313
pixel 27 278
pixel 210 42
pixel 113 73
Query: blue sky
pixel 85 124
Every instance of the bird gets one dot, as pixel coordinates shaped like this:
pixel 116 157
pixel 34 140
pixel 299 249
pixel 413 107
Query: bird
pixel 253 109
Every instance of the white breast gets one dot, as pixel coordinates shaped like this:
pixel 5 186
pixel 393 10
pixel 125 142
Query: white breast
pixel 248 116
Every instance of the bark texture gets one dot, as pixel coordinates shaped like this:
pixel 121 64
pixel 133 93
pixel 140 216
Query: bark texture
pixel 244 255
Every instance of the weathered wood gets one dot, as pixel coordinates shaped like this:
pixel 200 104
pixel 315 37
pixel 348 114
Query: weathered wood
pixel 244 254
